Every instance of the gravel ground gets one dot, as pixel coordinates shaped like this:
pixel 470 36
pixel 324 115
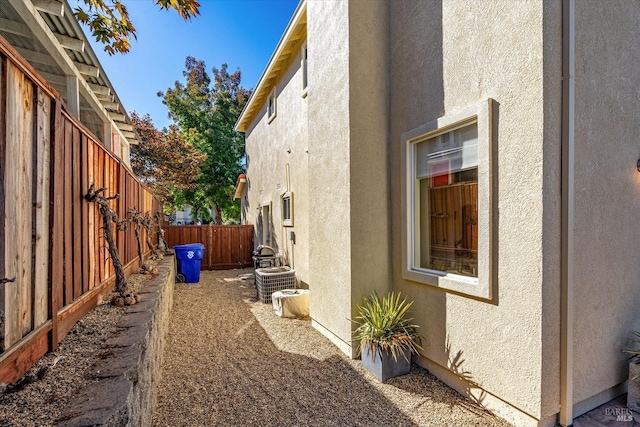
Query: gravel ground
pixel 40 403
pixel 230 361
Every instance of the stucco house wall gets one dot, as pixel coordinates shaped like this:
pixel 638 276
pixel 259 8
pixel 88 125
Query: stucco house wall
pixel 369 174
pixel 270 147
pixel 446 56
pixel 348 95
pixel 381 70
pixel 607 193
pixel 329 167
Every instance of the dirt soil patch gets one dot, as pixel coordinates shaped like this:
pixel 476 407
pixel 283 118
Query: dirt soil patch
pixel 229 361
pixel 40 403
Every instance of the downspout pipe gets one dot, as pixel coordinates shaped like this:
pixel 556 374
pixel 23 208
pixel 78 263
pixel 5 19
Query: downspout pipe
pixel 567 194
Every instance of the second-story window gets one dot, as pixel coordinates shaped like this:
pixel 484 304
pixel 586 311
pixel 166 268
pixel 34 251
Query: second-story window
pixel 303 67
pixel 271 105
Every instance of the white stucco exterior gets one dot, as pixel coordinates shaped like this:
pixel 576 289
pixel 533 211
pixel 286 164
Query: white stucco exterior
pixel 281 145
pixel 607 202
pixel 381 70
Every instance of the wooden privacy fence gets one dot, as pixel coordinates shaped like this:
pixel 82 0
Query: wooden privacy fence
pixel 50 237
pixel 453 212
pixel 225 246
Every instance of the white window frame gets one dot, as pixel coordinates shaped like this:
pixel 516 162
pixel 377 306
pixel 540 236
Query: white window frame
pixel 304 69
pixel 480 286
pixel 266 222
pixel 272 106
pixel 287 222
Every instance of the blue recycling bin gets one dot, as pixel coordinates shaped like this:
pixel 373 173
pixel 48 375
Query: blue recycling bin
pixel 189 258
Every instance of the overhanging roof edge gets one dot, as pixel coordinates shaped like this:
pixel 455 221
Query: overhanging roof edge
pixel 300 13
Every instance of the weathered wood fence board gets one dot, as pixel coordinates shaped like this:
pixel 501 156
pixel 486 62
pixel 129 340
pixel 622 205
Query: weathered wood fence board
pixel 57 225
pixel 453 224
pixel 3 161
pixel 41 224
pixel 18 205
pixel 66 172
pixel 50 237
pixel 225 246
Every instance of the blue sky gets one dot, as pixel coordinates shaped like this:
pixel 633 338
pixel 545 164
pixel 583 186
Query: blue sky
pixel 241 33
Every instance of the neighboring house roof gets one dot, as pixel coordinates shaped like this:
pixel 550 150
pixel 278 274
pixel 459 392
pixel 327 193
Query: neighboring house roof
pixel 46 33
pixel 295 31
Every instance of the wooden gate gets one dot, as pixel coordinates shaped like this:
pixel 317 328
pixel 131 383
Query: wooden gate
pixel 225 246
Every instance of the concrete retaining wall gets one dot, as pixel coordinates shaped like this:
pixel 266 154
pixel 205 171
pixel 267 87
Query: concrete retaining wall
pixel 129 368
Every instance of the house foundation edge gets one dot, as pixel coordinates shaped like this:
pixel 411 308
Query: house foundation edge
pixel 483 397
pixel 345 347
pixel 471 390
pixel 601 398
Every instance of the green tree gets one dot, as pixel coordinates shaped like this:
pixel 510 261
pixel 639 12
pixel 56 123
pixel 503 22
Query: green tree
pixel 109 20
pixel 163 160
pixel 206 111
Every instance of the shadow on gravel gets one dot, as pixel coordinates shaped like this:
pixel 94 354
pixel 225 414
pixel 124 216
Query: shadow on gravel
pixel 421 382
pixel 221 367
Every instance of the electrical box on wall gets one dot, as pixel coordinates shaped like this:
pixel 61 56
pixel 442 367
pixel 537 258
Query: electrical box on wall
pixel 292 236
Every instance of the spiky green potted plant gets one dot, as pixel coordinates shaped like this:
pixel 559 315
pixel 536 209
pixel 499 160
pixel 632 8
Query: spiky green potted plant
pixel 385 337
pixel 633 391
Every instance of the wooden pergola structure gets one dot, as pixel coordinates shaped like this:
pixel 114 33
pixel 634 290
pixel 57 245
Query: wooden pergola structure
pixel 47 35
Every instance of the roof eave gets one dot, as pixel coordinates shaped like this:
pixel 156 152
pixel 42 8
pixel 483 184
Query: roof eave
pixel 39 20
pixel 279 54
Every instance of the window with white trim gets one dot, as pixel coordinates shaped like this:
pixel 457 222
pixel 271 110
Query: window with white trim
pixel 271 105
pixel 266 223
pixel 447 197
pixel 287 209
pixel 303 68
pixel 445 194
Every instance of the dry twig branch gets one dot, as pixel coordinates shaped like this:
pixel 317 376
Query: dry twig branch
pixel 109 217
pixel 135 216
pixel 147 223
pixel 162 244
